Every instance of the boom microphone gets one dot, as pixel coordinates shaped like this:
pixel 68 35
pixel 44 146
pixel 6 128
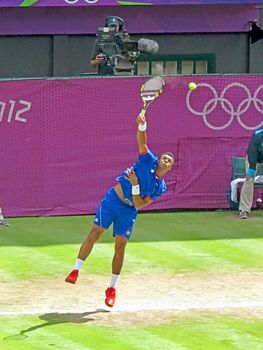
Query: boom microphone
pixel 148 46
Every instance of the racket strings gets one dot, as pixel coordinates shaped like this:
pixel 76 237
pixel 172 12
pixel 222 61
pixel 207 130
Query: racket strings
pixel 151 90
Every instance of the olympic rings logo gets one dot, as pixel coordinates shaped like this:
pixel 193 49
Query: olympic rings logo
pixel 227 105
pixel 71 2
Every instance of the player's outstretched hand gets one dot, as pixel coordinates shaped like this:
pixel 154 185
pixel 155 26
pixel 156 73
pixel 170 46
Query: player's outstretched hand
pixel 140 119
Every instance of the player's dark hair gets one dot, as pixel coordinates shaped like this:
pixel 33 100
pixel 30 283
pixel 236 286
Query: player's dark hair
pixel 169 154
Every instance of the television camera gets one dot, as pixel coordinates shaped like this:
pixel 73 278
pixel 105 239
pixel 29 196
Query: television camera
pixel 119 51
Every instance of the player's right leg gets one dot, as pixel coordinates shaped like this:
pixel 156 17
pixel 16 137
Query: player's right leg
pixel 102 221
pixel 86 247
pixel 84 252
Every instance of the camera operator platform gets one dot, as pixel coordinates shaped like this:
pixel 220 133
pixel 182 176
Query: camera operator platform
pixel 113 52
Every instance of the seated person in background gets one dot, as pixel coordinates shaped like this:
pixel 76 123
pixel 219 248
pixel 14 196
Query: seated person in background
pixel 254 155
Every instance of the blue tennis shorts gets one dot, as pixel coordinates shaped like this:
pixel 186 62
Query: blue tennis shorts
pixel 112 210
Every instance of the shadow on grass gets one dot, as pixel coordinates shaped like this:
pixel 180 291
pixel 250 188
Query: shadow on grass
pixel 149 227
pixel 55 318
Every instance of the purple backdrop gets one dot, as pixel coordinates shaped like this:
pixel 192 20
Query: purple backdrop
pixel 63 142
pixel 142 19
pixel 73 3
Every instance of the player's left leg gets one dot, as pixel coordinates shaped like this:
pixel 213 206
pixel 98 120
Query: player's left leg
pixel 119 251
pixel 123 222
pixel 117 263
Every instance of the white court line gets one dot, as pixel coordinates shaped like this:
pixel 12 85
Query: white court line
pixel 130 308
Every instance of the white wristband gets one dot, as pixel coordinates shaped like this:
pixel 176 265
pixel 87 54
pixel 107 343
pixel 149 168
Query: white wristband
pixel 142 127
pixel 135 190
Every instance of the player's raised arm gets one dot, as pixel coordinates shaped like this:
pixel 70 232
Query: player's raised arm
pixel 141 133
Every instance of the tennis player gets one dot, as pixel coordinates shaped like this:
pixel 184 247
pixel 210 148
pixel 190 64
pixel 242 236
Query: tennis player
pixel 136 188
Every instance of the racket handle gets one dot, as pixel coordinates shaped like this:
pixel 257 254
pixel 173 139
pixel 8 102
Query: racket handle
pixel 142 114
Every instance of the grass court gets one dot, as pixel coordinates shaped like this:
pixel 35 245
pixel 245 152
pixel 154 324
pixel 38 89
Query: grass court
pixel 191 281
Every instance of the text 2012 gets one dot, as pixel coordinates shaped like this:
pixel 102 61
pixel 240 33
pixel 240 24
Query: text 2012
pixel 13 110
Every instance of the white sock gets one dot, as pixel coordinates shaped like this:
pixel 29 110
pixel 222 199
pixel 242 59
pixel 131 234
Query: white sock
pixel 78 264
pixel 114 280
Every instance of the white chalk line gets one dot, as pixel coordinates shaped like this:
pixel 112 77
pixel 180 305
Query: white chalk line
pixel 130 308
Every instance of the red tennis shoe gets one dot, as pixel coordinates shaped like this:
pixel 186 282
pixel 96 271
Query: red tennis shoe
pixel 72 277
pixel 110 296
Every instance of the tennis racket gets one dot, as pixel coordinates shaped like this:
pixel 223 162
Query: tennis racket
pixel 150 90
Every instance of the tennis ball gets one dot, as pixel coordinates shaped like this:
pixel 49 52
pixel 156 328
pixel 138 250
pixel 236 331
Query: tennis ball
pixel 192 86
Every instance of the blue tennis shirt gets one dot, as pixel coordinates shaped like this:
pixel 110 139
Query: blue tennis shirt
pixel 145 170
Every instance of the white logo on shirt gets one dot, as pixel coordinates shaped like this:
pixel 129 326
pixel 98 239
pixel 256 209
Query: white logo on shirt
pixel 128 202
